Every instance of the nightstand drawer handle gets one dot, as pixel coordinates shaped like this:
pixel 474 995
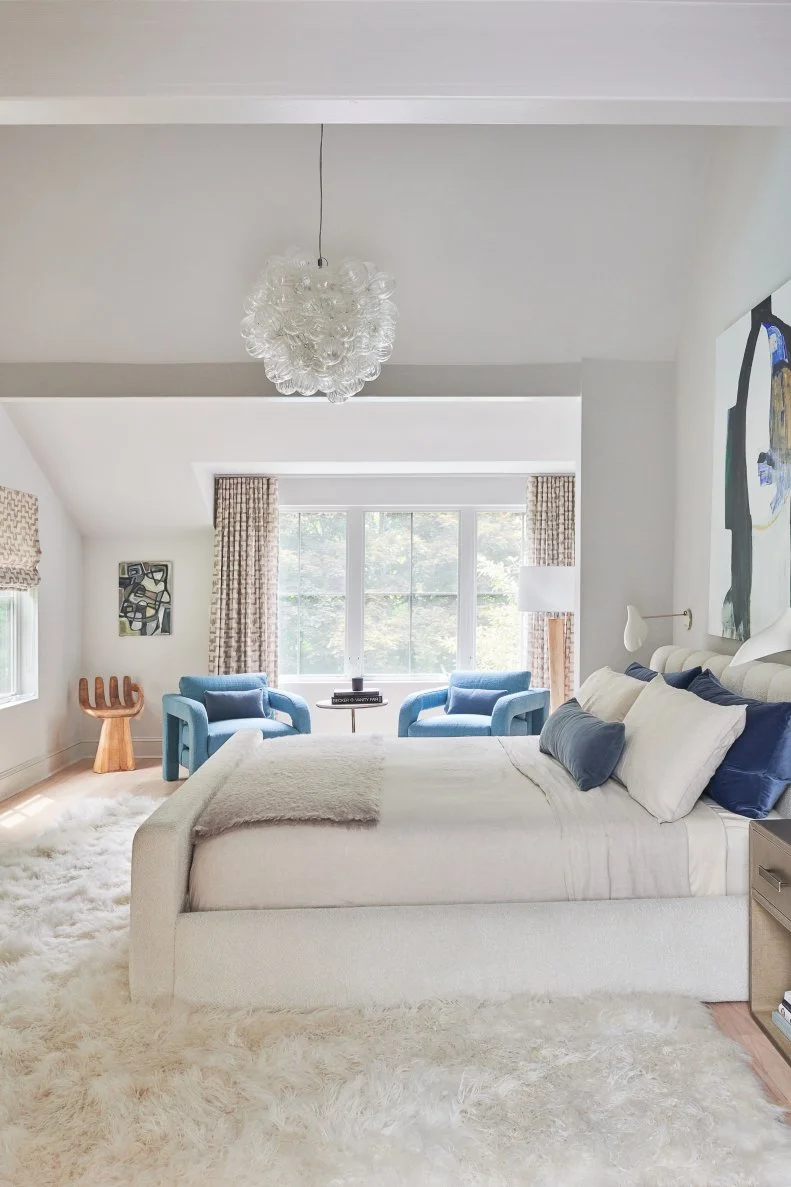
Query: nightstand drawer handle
pixel 771 877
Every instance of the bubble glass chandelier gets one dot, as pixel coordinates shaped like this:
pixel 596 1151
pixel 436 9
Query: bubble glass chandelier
pixel 320 328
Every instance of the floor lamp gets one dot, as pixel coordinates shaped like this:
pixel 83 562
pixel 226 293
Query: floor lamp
pixel 551 589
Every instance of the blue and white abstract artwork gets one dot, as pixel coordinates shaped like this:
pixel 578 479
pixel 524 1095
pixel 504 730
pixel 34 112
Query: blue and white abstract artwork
pixel 750 566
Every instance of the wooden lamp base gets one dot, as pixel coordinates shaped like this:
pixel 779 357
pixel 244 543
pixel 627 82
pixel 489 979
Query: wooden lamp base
pixel 115 751
pixel 556 636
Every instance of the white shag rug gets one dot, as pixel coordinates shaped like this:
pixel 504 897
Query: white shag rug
pixel 604 1092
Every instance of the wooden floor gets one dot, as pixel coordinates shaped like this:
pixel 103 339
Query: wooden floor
pixel 35 810
pixel 733 1018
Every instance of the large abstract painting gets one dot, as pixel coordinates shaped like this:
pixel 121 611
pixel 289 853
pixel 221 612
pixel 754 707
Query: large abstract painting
pixel 750 571
pixel 145 598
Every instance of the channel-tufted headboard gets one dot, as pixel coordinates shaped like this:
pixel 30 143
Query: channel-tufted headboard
pixel 764 682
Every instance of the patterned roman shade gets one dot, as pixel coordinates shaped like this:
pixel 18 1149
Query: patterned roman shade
pixel 550 541
pixel 243 628
pixel 19 547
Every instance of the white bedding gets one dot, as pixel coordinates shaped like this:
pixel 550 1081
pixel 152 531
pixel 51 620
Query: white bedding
pixel 461 823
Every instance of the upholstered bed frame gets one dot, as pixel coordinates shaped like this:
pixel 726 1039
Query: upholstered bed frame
pixel 347 955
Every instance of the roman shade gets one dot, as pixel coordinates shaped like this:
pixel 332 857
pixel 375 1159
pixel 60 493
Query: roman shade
pixel 19 547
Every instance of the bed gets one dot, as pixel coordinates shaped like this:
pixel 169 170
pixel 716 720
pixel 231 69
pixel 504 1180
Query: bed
pixel 486 875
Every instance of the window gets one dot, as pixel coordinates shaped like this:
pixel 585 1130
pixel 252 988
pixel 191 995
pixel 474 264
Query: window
pixel 8 644
pixel 399 592
pixel 312 593
pixel 18 668
pixel 411 591
pixel 499 552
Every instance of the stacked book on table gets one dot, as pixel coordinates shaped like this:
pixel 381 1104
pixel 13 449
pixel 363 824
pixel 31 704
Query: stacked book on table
pixel 781 1017
pixel 366 696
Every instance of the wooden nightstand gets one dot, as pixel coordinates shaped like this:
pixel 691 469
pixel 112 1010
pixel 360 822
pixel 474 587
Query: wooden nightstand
pixel 770 923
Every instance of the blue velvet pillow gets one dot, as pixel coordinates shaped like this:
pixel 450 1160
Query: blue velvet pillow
pixel 674 679
pixel 757 768
pixel 473 700
pixel 588 747
pixel 229 705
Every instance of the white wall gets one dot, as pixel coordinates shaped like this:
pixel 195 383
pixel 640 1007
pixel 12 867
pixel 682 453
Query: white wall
pixel 40 736
pixel 626 499
pixel 506 440
pixel 745 253
pixel 156 663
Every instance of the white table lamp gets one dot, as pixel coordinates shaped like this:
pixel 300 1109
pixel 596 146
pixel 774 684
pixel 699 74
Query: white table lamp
pixel 550 589
pixel 769 641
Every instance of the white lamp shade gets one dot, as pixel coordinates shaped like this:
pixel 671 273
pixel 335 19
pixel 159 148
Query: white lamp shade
pixel 774 638
pixel 547 589
pixel 636 631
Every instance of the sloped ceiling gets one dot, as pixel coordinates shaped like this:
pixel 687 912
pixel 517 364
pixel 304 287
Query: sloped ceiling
pixel 126 466
pixel 509 245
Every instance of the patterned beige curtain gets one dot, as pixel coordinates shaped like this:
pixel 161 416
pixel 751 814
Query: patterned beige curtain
pixel 19 547
pixel 243 629
pixel 550 541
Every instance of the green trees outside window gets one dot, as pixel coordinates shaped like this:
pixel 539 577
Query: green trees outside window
pixel 399 592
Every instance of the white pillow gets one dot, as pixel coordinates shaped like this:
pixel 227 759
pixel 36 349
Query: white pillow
pixel 674 743
pixel 609 695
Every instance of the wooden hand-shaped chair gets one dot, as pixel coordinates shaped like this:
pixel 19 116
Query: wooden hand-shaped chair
pixel 115 751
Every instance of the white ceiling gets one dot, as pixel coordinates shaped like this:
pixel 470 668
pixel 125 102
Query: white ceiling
pixel 355 62
pixel 509 244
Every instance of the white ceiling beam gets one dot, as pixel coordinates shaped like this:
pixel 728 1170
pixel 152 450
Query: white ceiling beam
pixel 356 61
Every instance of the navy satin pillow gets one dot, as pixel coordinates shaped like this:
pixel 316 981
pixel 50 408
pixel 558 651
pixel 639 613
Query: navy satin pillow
pixel 231 705
pixel 474 700
pixel 674 679
pixel 588 747
pixel 757 768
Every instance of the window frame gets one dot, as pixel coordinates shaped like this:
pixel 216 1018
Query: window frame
pixel 467 610
pixel 316 677
pixel 25 648
pixel 358 633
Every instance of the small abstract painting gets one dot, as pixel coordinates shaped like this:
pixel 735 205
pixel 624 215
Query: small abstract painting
pixel 145 599
pixel 750 562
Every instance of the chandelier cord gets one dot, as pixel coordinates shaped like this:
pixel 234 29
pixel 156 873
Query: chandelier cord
pixel 321 260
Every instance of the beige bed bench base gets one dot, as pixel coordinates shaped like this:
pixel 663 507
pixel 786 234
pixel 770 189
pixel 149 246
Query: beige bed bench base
pixel 385 955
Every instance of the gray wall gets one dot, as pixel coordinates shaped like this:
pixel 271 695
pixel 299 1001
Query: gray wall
pixel 626 502
pixel 745 253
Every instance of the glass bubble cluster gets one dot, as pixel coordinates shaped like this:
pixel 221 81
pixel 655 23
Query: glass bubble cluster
pixel 320 329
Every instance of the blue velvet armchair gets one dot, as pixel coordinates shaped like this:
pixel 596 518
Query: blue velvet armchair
pixel 523 710
pixel 189 738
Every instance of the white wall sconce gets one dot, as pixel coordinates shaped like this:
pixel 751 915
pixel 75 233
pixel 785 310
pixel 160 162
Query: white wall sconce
pixel 636 631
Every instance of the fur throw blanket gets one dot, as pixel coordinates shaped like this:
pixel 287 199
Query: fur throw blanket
pixel 328 780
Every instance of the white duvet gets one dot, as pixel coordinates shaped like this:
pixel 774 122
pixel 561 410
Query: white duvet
pixel 474 820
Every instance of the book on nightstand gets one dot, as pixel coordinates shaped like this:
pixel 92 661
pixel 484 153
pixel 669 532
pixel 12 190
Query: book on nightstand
pixel 781 1024
pixel 784 1009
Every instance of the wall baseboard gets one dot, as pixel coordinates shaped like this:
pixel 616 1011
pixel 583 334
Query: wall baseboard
pixel 144 748
pixel 147 748
pixel 25 774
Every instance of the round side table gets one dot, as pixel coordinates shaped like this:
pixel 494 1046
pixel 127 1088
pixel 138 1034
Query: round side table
pixel 329 705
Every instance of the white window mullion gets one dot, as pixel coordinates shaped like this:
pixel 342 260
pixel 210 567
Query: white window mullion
pixel 466 654
pixel 355 573
pixel 18 652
